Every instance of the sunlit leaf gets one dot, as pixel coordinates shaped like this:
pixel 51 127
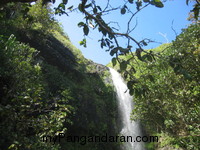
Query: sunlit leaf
pixel 83 43
pixel 62 6
pixel 158 3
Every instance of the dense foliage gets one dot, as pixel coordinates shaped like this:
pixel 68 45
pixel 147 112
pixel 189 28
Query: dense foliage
pixel 37 96
pixel 166 90
pixel 46 88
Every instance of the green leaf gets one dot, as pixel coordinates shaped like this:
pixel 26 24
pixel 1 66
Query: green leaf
pixel 108 42
pixel 138 4
pixel 62 6
pixel 123 65
pixel 80 7
pixel 123 10
pixel 144 43
pixel 148 57
pixel 113 51
pixel 70 8
pixel 133 69
pixel 130 84
pixel 131 91
pixel 187 2
pixel 103 43
pixel 123 50
pixel 80 24
pixel 104 32
pixel 83 43
pixel 65 2
pixel 95 10
pixel 146 1
pixel 151 78
pixel 99 8
pixel 158 3
pixel 177 69
pixel 196 11
pixel 130 1
pixel 138 53
pixel 114 61
pixel 87 6
pixel 85 29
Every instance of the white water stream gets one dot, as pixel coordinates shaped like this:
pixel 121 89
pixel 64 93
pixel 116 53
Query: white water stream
pixel 126 105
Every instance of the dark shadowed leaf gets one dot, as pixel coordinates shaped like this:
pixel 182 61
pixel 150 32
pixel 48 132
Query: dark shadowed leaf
pixel 123 10
pixel 138 53
pixel 124 50
pixel 80 7
pixel 151 78
pixel 113 51
pixel 130 1
pixel 87 6
pixel 80 24
pixel 187 2
pixel 86 30
pixel 70 8
pixel 196 11
pixel 65 1
pixel 99 8
pixel 123 65
pixel 130 84
pixel 114 61
pixel 133 69
pixel 94 10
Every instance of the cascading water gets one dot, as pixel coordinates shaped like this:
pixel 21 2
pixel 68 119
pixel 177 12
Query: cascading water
pixel 125 103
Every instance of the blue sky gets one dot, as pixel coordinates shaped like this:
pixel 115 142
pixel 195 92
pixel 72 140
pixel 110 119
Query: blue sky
pixel 153 23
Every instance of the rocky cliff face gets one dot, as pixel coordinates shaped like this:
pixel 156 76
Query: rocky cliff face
pixel 95 105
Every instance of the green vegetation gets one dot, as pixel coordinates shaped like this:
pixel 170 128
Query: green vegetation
pixel 47 87
pixel 166 90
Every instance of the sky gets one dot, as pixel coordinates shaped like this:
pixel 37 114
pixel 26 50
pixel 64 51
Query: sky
pixel 152 22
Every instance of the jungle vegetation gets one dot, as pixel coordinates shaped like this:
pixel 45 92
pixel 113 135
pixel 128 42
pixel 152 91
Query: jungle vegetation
pixel 47 86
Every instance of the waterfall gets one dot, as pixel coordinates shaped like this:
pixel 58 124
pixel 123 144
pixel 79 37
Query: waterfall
pixel 125 103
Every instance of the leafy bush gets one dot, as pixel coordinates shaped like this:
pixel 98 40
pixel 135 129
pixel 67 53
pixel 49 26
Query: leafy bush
pixel 167 92
pixel 166 89
pixel 27 109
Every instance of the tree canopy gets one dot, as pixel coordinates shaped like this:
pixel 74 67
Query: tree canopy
pixel 164 81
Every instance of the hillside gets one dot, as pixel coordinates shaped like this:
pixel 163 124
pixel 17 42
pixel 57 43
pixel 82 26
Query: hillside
pixel 165 84
pixel 47 87
pixel 48 90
